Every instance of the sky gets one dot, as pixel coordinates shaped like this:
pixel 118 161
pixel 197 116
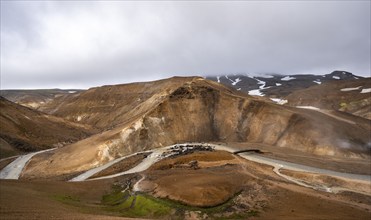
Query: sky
pixel 81 44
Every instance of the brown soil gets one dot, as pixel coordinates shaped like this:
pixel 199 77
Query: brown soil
pixel 203 159
pixel 58 177
pixel 36 97
pixel 203 188
pixel 350 165
pixel 5 162
pixel 292 202
pixel 251 187
pixel 329 96
pixel 53 200
pixel 24 130
pixel 358 186
pixel 121 166
pixel 257 188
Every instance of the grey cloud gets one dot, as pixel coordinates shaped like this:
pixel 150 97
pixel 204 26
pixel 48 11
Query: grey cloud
pixel 83 44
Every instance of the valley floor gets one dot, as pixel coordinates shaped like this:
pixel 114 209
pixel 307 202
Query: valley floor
pixel 219 185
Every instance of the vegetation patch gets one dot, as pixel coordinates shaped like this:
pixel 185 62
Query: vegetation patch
pixel 132 205
pixel 129 204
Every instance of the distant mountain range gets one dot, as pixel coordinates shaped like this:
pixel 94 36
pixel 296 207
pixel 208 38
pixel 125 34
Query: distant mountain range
pixel 278 86
pixel 339 90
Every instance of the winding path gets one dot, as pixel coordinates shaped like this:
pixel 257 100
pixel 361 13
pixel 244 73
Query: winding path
pixel 302 168
pixel 93 171
pixel 144 165
pixel 15 168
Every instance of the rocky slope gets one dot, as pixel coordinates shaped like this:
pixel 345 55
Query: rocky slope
pixel 278 86
pixel 35 98
pixel 23 130
pixel 108 106
pixel 141 116
pixel 352 96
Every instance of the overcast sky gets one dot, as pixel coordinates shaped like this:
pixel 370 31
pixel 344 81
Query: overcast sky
pixel 69 44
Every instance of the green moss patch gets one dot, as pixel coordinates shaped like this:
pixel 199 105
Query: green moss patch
pixel 143 205
pixel 135 205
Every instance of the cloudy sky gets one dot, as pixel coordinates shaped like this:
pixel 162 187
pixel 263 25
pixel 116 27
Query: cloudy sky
pixel 69 44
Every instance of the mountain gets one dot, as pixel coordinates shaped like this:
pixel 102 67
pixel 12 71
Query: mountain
pixel 351 96
pixel 35 98
pixel 124 151
pixel 24 130
pixel 336 91
pixel 109 106
pixel 141 116
pixel 276 85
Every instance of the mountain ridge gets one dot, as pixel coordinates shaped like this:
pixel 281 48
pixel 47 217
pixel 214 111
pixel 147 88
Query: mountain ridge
pixel 199 110
pixel 24 129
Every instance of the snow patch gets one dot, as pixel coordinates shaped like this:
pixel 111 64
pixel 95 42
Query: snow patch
pixel 72 91
pixel 278 84
pixel 279 101
pixel 260 82
pixel 238 89
pixel 318 82
pixel 255 92
pixel 335 77
pixel 287 78
pixel 350 89
pixel 366 90
pixel 236 81
pixel 308 107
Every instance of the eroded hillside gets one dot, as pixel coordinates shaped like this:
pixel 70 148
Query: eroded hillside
pixel 25 130
pixel 351 96
pixel 143 116
pixel 36 98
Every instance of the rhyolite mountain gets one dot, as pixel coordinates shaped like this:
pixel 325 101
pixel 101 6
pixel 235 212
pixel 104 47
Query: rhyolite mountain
pixel 270 85
pixel 34 98
pixel 24 130
pixel 140 116
pixel 337 91
pixel 351 96
pixel 277 85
